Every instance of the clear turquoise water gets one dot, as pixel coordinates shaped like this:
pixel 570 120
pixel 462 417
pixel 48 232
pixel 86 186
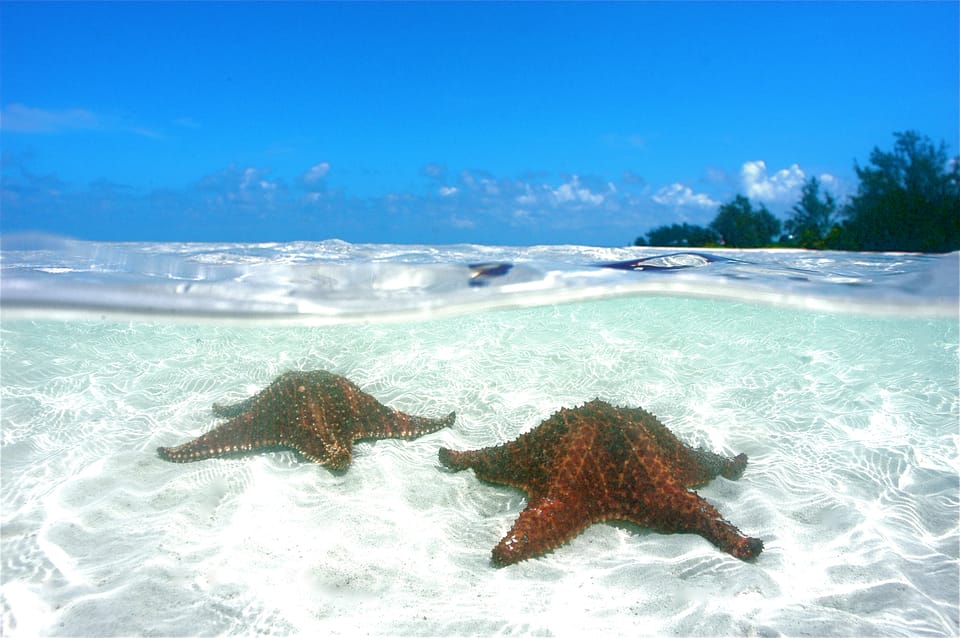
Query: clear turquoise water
pixel 850 420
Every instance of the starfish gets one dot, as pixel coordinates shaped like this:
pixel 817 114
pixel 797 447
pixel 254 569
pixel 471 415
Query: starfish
pixel 319 414
pixel 598 463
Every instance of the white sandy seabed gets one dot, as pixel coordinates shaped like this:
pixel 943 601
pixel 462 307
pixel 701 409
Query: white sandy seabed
pixel 850 422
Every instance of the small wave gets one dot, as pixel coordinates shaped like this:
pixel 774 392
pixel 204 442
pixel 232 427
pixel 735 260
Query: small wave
pixel 333 281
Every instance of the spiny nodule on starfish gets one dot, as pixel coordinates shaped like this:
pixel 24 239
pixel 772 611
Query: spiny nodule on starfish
pixel 597 463
pixel 319 414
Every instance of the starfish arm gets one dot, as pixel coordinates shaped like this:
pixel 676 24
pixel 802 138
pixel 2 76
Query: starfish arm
pixel 695 466
pixel 522 463
pixel 227 411
pixel 493 464
pixel 424 425
pixel 675 509
pixel 691 466
pixel 332 447
pixel 394 424
pixel 710 465
pixel 278 388
pixel 543 526
pixel 330 398
pixel 258 426
pixel 239 434
pixel 377 421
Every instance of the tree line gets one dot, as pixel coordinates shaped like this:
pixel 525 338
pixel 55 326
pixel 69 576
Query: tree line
pixel 908 199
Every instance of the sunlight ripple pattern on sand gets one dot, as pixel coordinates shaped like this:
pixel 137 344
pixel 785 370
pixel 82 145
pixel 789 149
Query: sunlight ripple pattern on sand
pixel 850 423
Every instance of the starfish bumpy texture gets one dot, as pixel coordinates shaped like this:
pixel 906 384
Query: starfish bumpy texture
pixel 597 463
pixel 319 414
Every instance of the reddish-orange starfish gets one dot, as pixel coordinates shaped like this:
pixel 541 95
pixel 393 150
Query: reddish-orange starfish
pixel 319 414
pixel 598 463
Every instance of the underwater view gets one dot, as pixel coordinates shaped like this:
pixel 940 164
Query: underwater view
pixel 479 318
pixel 835 374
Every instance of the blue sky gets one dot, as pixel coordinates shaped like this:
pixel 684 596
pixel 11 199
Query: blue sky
pixel 515 123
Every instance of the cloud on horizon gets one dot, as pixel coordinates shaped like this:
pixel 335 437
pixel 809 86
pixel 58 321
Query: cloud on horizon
pixel 316 173
pixel 782 185
pixel 249 203
pixel 678 195
pixel 783 188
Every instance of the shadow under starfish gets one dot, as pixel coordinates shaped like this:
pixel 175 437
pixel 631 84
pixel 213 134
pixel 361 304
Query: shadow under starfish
pixel 598 463
pixel 317 413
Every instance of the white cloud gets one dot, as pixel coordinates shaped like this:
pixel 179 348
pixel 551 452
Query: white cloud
pixel 833 184
pixel 253 180
pixel 574 191
pixel 316 173
pixel 677 194
pixel 20 118
pixel 528 197
pixel 26 119
pixel 483 183
pixel 434 170
pixel 462 222
pixel 448 191
pixel 247 187
pixel 782 186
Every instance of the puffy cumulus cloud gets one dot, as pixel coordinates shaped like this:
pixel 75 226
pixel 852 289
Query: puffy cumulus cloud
pixel 316 173
pixel 572 191
pixel 679 195
pixel 829 180
pixel 527 197
pixel 784 188
pixel 253 179
pixel 480 182
pixel 248 188
pixel 837 187
pixel 781 187
pixel 244 203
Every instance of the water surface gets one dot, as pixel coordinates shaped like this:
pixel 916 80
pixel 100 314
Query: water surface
pixel 839 380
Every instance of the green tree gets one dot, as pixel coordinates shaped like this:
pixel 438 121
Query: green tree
pixel 741 226
pixel 812 217
pixel 909 199
pixel 678 235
